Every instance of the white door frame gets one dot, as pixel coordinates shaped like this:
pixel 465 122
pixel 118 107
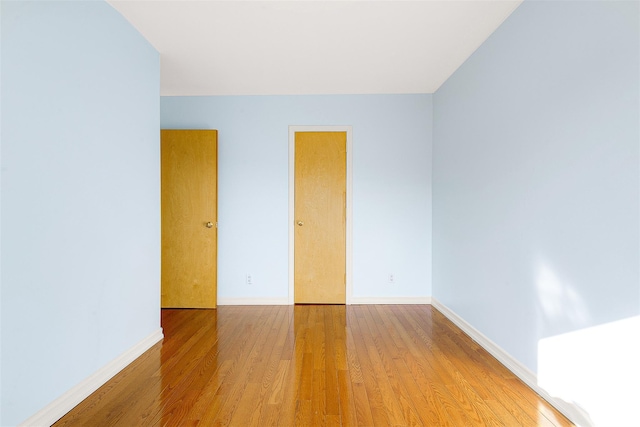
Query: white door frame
pixel 292 182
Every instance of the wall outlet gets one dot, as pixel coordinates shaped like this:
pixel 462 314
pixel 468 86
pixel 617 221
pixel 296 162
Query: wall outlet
pixel 392 278
pixel 248 279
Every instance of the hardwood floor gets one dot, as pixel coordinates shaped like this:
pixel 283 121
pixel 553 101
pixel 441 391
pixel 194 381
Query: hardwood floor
pixel 314 365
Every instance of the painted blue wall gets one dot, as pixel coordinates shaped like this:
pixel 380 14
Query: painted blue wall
pixel 391 187
pixel 80 196
pixel 536 176
pixel 0 213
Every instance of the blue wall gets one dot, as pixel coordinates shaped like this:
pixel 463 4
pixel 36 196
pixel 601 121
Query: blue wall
pixel 536 176
pixel 0 213
pixel 80 197
pixel 391 187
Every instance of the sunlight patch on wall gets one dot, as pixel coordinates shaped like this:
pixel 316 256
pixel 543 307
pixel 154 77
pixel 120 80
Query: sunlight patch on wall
pixel 559 300
pixel 596 370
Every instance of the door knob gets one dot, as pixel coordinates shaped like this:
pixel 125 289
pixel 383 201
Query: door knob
pixel 209 225
pixel 300 223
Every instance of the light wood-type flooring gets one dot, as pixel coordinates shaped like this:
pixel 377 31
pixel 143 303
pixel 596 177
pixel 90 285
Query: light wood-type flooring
pixel 314 365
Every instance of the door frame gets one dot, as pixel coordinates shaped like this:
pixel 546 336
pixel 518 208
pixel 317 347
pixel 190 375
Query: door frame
pixel 349 188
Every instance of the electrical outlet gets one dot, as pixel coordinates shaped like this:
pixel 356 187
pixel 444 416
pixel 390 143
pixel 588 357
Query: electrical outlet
pixel 392 278
pixel 249 279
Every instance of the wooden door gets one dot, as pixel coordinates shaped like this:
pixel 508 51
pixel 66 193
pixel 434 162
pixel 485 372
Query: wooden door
pixel 189 218
pixel 320 216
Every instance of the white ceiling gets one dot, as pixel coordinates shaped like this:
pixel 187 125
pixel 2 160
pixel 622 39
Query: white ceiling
pixel 266 47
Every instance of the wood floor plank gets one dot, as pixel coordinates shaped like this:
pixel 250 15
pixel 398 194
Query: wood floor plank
pixel 273 374
pixel 356 381
pixel 376 402
pixel 397 347
pixel 347 410
pixel 383 356
pixel 231 397
pixel 314 365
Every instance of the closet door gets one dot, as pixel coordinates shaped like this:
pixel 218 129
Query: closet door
pixel 189 193
pixel 320 217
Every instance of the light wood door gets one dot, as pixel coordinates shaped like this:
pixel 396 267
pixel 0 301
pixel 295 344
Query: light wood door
pixel 320 216
pixel 189 218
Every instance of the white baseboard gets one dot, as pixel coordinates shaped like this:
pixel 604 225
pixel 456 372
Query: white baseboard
pixel 511 363
pixel 63 404
pixel 358 300
pixel 253 301
pixel 390 300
